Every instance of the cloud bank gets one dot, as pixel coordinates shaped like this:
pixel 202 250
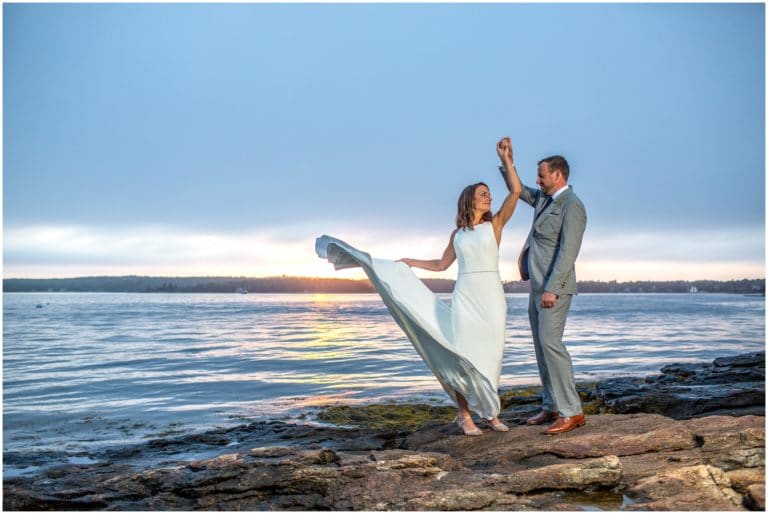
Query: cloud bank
pixel 66 251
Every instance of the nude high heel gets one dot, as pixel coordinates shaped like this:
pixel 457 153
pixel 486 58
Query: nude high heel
pixel 497 427
pixel 463 424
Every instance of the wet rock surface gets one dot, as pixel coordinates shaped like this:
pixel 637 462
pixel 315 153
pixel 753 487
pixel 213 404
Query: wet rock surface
pixel 728 386
pixel 633 461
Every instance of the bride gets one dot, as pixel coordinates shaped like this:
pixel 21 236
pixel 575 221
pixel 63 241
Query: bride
pixel 461 342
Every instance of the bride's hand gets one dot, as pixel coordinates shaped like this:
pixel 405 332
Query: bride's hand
pixel 500 147
pixel 504 149
pixel 508 142
pixel 407 261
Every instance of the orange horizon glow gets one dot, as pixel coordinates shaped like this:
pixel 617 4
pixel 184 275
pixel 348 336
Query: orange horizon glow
pixel 598 271
pixel 51 252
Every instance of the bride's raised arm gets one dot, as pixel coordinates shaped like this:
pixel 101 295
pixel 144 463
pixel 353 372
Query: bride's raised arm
pixel 436 265
pixel 504 150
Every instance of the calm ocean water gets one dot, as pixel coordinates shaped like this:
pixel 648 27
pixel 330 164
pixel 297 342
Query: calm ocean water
pixel 89 371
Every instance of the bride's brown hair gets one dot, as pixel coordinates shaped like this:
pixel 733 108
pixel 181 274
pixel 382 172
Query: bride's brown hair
pixel 466 212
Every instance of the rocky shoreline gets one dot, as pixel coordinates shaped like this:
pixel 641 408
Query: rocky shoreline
pixel 691 438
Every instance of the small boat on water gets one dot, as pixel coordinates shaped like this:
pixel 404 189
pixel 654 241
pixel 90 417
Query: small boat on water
pixel 241 290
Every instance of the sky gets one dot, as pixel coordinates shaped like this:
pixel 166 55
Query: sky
pixel 213 140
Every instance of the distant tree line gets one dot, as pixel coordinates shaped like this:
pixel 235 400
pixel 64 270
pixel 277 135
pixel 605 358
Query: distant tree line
pixel 287 284
pixel 204 284
pixel 742 286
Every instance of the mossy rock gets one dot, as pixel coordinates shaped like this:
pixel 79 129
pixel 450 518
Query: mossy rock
pixel 586 391
pixel 531 394
pixel 387 416
pixel 520 396
pixel 594 407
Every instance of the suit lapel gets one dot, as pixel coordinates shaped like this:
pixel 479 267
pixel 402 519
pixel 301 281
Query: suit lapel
pixel 546 213
pixel 551 208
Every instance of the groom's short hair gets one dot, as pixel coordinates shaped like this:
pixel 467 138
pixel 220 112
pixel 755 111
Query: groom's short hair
pixel 557 162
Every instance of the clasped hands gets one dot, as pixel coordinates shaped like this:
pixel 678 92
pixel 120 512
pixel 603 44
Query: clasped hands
pixel 504 149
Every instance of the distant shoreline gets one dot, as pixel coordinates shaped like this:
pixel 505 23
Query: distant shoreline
pixel 364 293
pixel 301 285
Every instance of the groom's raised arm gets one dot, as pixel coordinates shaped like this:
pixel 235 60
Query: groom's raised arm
pixel 528 194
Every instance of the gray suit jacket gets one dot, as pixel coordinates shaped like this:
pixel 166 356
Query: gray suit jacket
pixel 554 241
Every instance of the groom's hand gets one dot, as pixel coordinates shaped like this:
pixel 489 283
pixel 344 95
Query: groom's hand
pixel 504 149
pixel 548 300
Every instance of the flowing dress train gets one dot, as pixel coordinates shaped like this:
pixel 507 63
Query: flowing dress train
pixel 462 342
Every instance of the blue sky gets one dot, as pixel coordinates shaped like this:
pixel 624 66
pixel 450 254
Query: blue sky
pixel 222 139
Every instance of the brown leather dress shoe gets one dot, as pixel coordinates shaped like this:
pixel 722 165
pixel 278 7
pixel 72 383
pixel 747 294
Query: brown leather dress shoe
pixel 565 424
pixel 543 417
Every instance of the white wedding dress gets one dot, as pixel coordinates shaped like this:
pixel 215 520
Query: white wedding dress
pixel 462 341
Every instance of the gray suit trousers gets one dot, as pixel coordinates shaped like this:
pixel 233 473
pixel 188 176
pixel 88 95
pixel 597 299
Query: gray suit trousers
pixel 555 366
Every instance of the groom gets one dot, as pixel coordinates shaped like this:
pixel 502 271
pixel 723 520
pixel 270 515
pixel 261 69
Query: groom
pixel 548 259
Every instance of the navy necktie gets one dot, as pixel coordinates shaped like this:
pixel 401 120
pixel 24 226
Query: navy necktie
pixel 546 204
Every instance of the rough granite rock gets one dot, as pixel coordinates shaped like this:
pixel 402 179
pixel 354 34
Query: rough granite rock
pixel 634 461
pixel 754 498
pixel 730 443
pixel 741 479
pixel 732 386
pixel 603 435
pixel 459 499
pixel 694 488
pixel 655 460
pixel 604 471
